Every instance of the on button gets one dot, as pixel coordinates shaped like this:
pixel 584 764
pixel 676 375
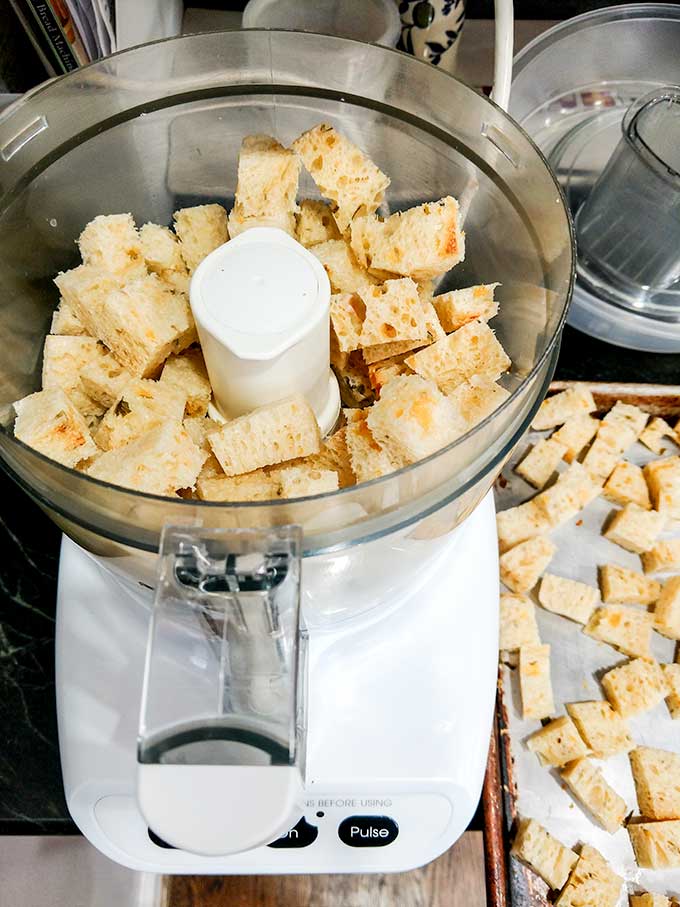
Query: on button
pixel 368 831
pixel 301 835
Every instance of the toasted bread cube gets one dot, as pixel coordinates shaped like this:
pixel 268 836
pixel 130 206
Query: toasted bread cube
pixel 163 256
pixel 347 313
pixel 663 479
pixel 602 728
pixel 158 462
pixel 344 271
pixel 142 322
pixel 268 435
pixel 394 312
pixel 656 844
pixel 458 307
pixel 624 627
pixel 626 485
pixel 49 422
pixel 104 378
pixel 188 372
pixel 655 434
pixel 635 529
pixel 518 625
pixel 557 742
pixel 142 405
pixel 315 223
pixel 66 322
pixel 657 782
pixel 556 410
pixel 422 242
pixel 576 433
pixel 588 785
pixel 567 597
pixel 252 486
pixel 627 587
pixel 342 173
pixel 199 427
pixel 111 242
pixel 519 523
pixel 368 459
pixel 333 456
pixel 592 882
pixel 671 675
pixel 477 398
pixel 64 358
pixel 433 332
pixel 634 687
pixel 628 414
pixel 354 381
pixel 471 350
pixel 381 373
pixel 662 557
pixel 548 858
pixel 649 899
pixel 413 419
pixel 667 610
pixel 301 481
pixel 573 490
pixel 201 230
pixel 266 187
pixel 540 463
pixel 522 565
pixel 535 683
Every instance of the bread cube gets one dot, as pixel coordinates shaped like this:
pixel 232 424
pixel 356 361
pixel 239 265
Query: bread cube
pixel 667 610
pixel 627 587
pixel 624 627
pixel 518 625
pixel 589 787
pixel 519 523
pixel 540 463
pixel 567 597
pixel 342 173
pixel 557 742
pixel 522 565
pixel 634 687
pixel 163 256
pixel 671 675
pixel 394 312
pixel 470 351
pixel 627 485
pixel 199 427
pixel 635 529
pixel 649 899
pixel 602 728
pixel 142 405
pixel 315 223
pixel 188 372
pixel 64 358
pixel 423 242
pixel 368 459
pixel 655 434
pixel 353 379
pixel 413 419
pixel 657 782
pixel 576 433
pixel 301 481
pixel 268 435
pixel 662 557
pixel 628 414
pixel 266 188
pixel 160 461
pixel 477 398
pixel 534 681
pixel 65 321
pixel 592 882
pixel 381 373
pixel 550 859
pixel 104 378
pixel 111 243
pixel 333 456
pixel 568 404
pixel 656 844
pixel 252 486
pixel 201 230
pixel 344 271
pixel 142 322
pixel 458 307
pixel 347 313
pixel 433 332
pixel 573 490
pixel 49 422
pixel 663 479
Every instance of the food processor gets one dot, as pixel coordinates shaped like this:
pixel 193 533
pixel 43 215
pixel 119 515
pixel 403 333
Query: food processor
pixel 299 685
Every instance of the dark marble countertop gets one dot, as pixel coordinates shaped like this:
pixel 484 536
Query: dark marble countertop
pixel 31 796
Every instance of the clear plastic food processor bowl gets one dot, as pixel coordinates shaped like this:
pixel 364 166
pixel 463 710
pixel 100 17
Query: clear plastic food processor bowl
pixel 159 127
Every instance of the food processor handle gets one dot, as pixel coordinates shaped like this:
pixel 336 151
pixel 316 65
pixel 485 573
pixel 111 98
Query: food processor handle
pixel 220 740
pixel 503 47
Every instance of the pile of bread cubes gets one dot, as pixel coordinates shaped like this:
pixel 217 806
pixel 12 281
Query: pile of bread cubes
pixel 628 608
pixel 125 391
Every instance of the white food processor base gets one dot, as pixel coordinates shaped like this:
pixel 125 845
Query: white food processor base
pixel 400 707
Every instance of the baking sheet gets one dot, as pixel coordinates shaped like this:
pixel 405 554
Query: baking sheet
pixel 577 661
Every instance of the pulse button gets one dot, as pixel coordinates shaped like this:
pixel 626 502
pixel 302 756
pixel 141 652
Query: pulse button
pixel 368 831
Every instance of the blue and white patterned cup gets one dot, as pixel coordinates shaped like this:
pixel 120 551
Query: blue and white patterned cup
pixel 431 29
